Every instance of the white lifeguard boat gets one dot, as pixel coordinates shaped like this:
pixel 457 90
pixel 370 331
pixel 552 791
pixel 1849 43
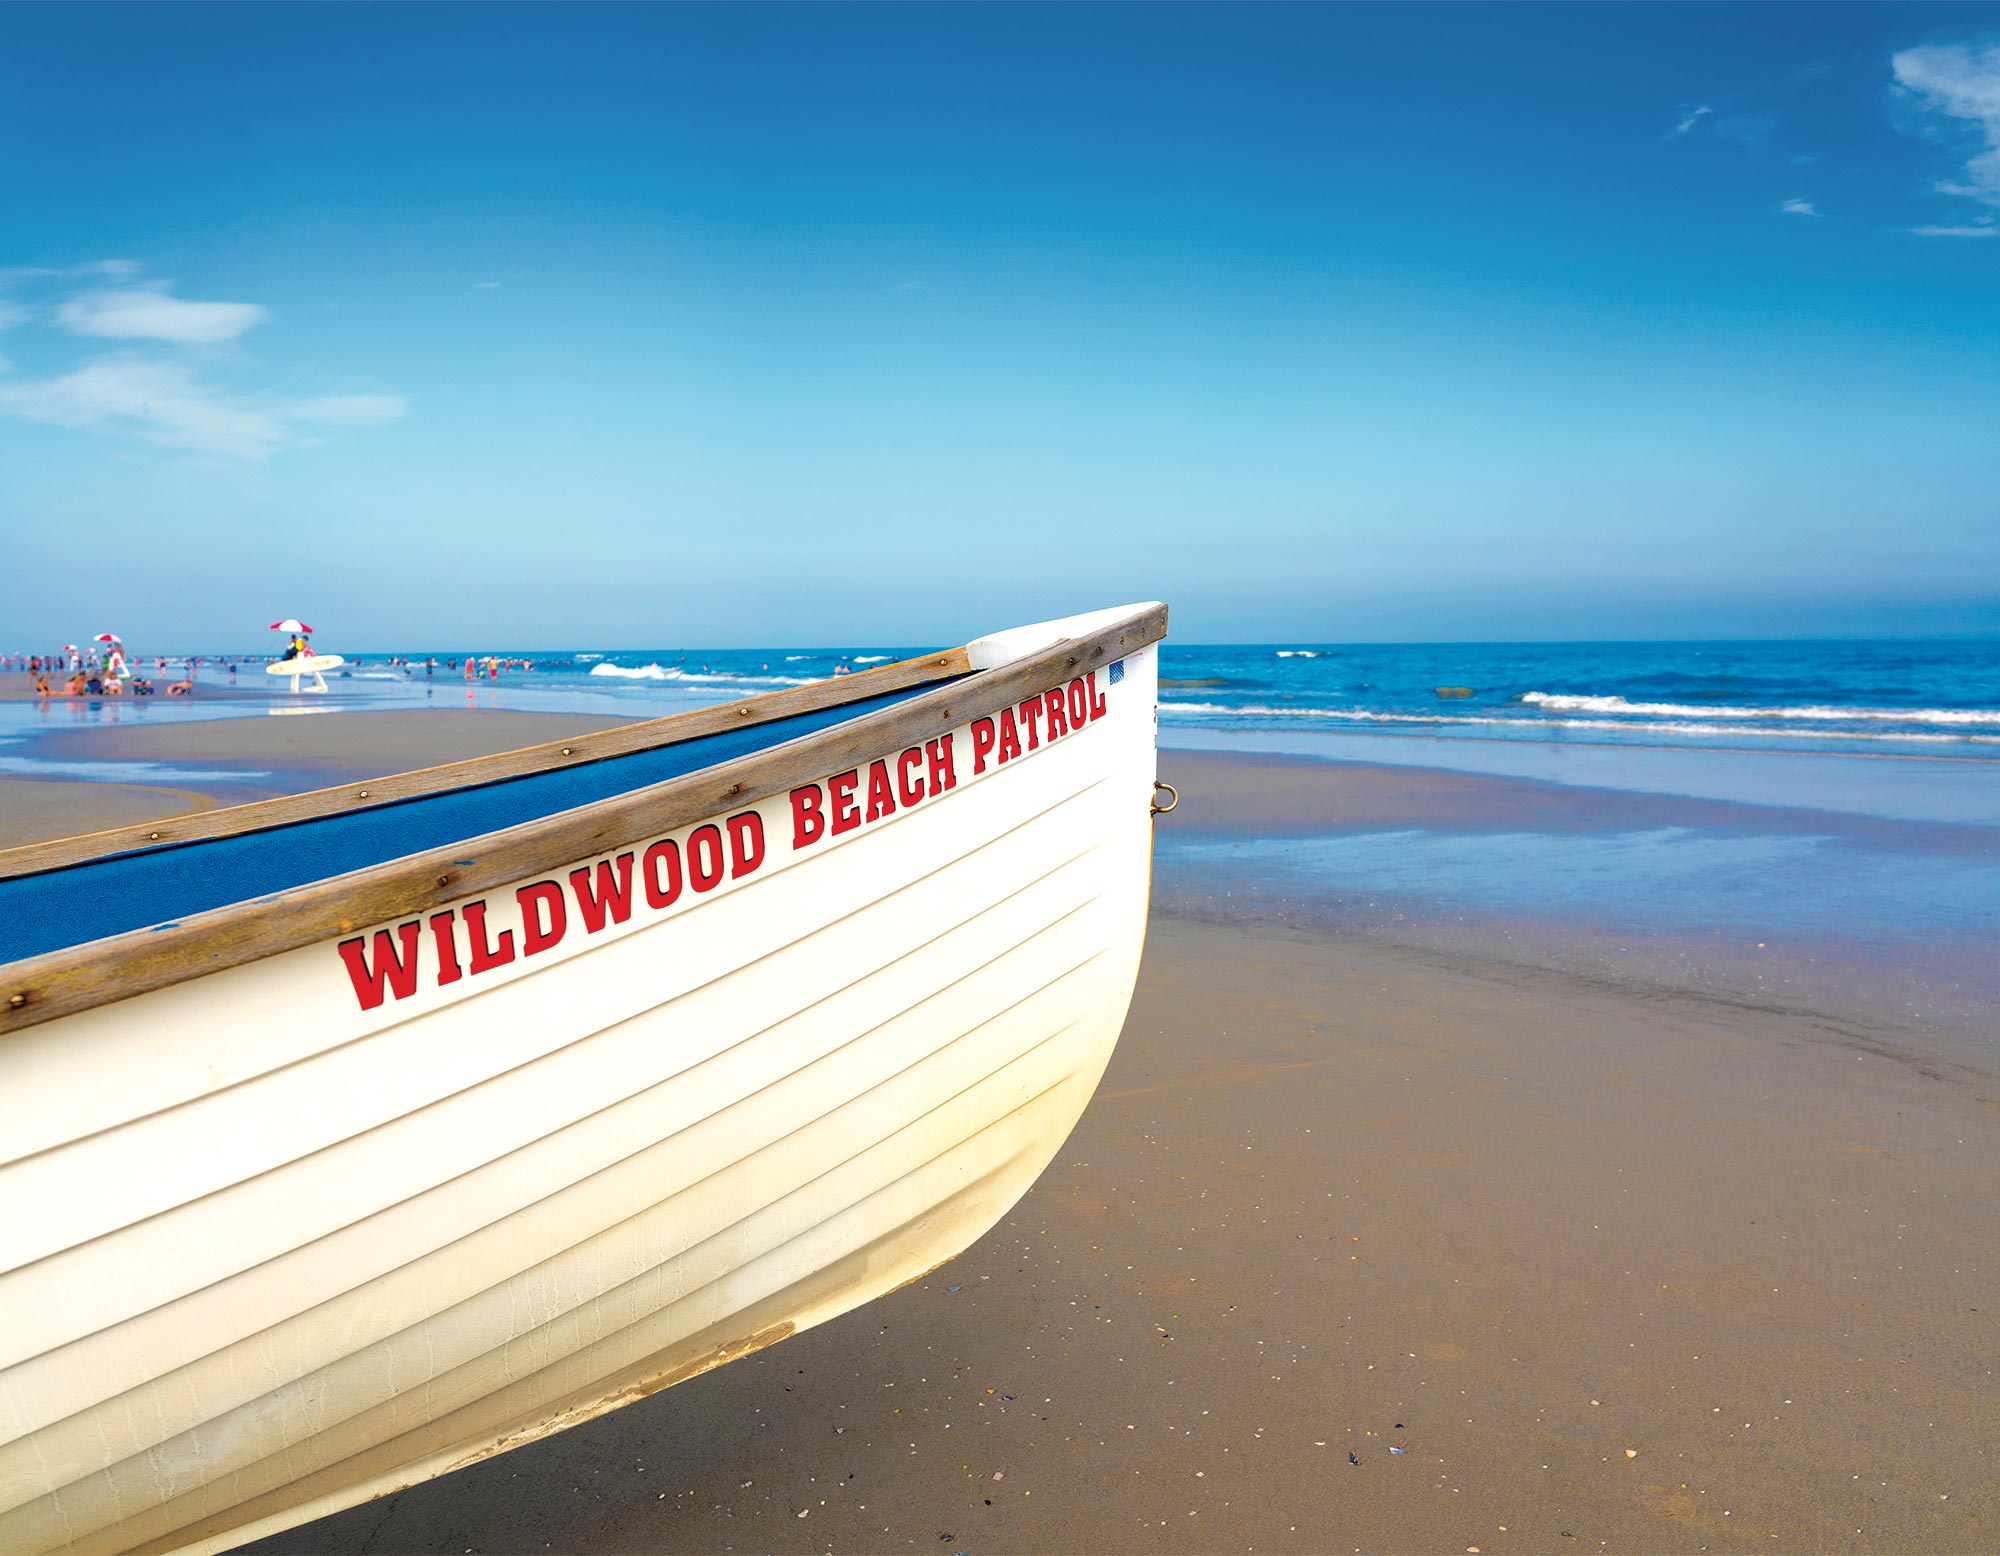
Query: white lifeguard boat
pixel 356 1136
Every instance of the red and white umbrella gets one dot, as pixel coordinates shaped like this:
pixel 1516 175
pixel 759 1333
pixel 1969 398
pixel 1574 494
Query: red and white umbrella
pixel 290 624
pixel 108 637
pixel 69 648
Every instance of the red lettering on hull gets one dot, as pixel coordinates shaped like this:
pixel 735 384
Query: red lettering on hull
pixel 544 919
pixel 746 844
pixel 394 970
pixel 388 966
pixel 486 955
pixel 611 902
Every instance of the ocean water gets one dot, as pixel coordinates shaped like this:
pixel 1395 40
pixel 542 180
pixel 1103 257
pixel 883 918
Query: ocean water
pixel 1940 698
pixel 1464 704
pixel 1916 698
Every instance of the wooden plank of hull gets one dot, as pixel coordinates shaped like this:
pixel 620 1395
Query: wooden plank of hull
pixel 293 1255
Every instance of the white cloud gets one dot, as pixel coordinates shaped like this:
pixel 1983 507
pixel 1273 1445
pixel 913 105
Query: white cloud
pixel 166 402
pixel 1960 81
pixel 1980 229
pixel 165 388
pixel 150 312
pixel 1692 120
pixel 1798 208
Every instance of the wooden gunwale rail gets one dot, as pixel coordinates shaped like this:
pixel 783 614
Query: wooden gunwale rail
pixel 78 978
pixel 576 751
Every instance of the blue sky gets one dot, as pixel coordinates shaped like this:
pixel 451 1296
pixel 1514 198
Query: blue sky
pixel 764 325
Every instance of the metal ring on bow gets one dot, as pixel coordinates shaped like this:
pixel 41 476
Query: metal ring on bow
pixel 1173 797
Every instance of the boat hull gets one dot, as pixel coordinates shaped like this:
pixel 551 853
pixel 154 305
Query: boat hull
pixel 308 1229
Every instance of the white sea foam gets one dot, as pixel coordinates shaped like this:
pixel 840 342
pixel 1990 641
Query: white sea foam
pixel 657 672
pixel 791 657
pixel 870 659
pixel 639 672
pixel 1559 702
pixel 589 656
pixel 1299 653
pixel 1674 727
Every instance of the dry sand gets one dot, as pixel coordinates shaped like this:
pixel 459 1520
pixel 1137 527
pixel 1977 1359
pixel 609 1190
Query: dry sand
pixel 1618 1269
pixel 1617 1275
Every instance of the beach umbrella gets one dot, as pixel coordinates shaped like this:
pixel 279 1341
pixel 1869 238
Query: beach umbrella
pixel 69 648
pixel 290 624
pixel 108 637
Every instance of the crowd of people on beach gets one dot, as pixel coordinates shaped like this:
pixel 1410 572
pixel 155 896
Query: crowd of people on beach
pixel 477 666
pixel 76 672
pixel 106 669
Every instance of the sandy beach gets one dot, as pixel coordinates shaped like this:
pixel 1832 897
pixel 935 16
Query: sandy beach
pixel 1362 1246
pixel 246 759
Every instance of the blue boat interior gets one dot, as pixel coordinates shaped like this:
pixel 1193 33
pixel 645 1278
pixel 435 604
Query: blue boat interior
pixel 158 887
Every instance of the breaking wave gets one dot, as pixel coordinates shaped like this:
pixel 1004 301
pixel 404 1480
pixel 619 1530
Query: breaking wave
pixel 1663 726
pixel 870 659
pixel 1557 702
pixel 657 672
pixel 1299 653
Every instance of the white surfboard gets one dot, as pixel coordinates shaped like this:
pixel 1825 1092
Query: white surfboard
pixel 314 665
pixel 305 664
